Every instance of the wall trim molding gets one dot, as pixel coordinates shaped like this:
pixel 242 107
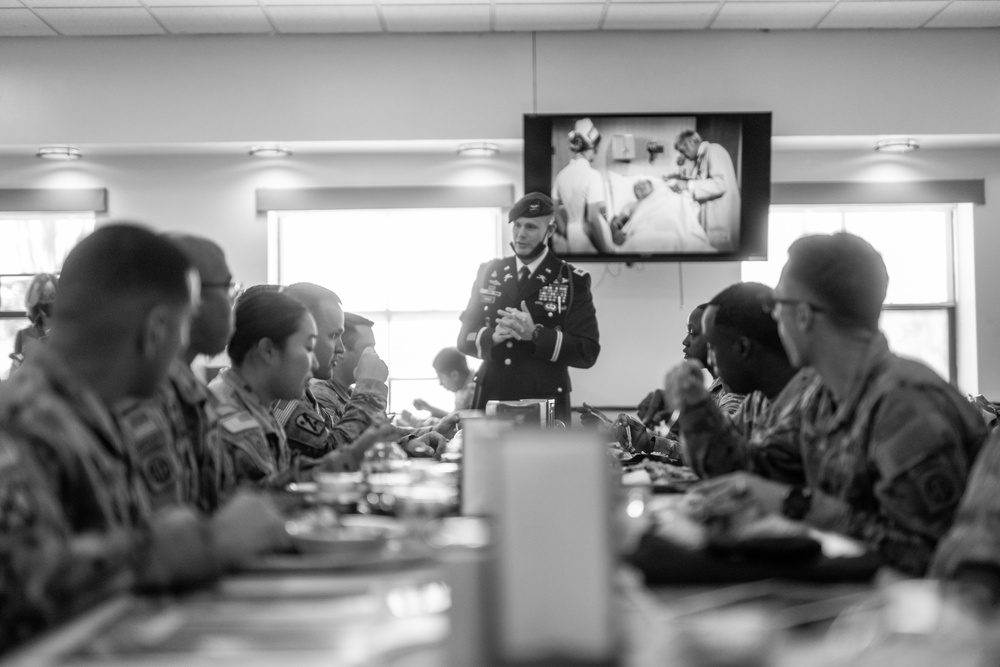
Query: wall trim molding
pixel 54 199
pixel 318 199
pixel 857 192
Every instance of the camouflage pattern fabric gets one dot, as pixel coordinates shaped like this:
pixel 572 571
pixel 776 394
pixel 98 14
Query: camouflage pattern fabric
pixel 762 436
pixel 897 451
pixel 252 437
pixel 178 443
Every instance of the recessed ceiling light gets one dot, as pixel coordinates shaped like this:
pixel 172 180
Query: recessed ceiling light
pixel 59 153
pixel 478 149
pixel 896 145
pixel 270 150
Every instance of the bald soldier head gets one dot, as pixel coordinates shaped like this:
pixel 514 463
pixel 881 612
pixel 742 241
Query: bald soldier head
pixel 126 296
pixel 213 322
pixel 329 315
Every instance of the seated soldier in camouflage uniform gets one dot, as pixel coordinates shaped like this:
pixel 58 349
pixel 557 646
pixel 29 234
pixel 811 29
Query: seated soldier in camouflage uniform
pixel 655 408
pixel 75 520
pixel 312 431
pixel 361 366
pixel 272 354
pixel 969 556
pixel 762 436
pixel 176 433
pixel 887 463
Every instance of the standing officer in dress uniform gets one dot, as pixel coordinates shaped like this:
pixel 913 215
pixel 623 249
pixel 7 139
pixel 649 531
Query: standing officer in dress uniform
pixel 530 316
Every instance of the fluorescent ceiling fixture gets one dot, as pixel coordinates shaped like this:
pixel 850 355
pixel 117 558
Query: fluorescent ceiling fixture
pixel 270 150
pixel 478 149
pixel 896 145
pixel 59 153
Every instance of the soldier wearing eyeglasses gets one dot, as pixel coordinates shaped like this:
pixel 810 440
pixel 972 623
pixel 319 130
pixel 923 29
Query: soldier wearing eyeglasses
pixel 887 462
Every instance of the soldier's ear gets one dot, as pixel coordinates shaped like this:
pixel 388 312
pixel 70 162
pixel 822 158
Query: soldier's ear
pixel 266 349
pixel 154 331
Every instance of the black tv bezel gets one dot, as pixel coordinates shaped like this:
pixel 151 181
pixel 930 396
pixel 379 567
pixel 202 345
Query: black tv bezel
pixel 755 185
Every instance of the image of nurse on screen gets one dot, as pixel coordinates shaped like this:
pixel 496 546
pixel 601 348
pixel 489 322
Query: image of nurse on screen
pixel 658 186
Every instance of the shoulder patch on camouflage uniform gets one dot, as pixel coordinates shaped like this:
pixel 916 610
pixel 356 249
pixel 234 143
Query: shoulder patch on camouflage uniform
pixel 312 424
pixel 238 423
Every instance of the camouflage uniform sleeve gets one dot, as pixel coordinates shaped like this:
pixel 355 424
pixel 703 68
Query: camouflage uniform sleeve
pixel 150 432
pixel 308 433
pixel 919 477
pixel 974 539
pixel 712 443
pixel 46 573
pixel 729 402
pixel 246 445
pixel 366 408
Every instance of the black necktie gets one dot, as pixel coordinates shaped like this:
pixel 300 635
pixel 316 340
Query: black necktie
pixel 522 278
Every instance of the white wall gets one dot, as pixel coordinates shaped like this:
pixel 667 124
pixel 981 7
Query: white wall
pixel 129 91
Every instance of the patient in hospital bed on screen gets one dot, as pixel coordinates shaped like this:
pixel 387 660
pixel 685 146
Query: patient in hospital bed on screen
pixel 658 220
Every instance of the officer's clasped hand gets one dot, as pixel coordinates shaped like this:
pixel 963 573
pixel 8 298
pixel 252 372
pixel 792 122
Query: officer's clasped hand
pixel 518 322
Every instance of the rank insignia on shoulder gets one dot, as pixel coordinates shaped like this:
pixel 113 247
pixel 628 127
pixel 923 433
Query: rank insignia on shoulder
pixel 578 271
pixel 238 422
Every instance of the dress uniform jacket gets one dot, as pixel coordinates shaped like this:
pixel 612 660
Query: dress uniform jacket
pixel 251 434
pixel 559 299
pixel 177 440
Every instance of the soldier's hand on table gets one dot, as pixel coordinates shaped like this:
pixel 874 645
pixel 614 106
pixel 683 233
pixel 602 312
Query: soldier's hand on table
pixel 181 552
pixel 724 494
pixel 248 525
pixel 426 445
pixel 448 425
pixel 654 407
pixel 371 366
pixel 684 385
pixel 377 433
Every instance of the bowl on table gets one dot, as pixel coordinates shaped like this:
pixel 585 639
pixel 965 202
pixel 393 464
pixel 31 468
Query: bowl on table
pixel 322 531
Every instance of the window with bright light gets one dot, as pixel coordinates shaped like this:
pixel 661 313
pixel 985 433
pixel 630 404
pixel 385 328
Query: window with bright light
pixel 917 244
pixel 408 270
pixel 32 243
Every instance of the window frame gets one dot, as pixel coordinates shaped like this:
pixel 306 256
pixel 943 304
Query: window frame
pixel 949 306
pixel 276 243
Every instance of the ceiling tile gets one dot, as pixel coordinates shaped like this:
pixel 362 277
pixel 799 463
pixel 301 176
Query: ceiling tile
pixel 22 23
pixel 11 3
pixel 968 14
pixel 882 14
pixel 325 19
pixel 436 18
pixel 547 2
pixel 212 20
pixel 663 16
pixel 433 2
pixel 299 3
pixel 201 3
pixel 548 16
pixel 82 3
pixel 101 21
pixel 780 15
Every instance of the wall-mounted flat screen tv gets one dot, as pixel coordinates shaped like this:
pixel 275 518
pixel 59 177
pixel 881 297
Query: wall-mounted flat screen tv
pixel 653 186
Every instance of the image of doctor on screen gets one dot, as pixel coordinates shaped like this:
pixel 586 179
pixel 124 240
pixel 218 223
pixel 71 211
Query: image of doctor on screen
pixel 578 193
pixel 708 177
